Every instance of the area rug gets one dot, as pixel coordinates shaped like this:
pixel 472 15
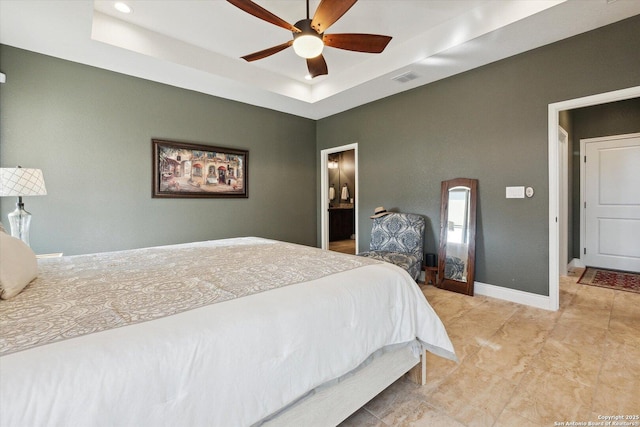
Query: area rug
pixel 612 279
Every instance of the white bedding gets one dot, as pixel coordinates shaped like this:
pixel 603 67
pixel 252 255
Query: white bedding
pixel 232 363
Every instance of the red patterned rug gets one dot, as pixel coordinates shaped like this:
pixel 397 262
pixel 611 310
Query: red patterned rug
pixel 612 279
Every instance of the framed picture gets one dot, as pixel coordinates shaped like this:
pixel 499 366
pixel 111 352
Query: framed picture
pixel 191 170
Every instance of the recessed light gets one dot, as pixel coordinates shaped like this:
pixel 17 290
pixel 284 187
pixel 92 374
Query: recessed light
pixel 308 77
pixel 122 7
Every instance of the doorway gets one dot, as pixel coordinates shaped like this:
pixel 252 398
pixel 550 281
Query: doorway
pixel 555 172
pixel 339 198
pixel 610 226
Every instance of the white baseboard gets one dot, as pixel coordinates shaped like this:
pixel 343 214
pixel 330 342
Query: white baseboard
pixel 513 295
pixel 576 263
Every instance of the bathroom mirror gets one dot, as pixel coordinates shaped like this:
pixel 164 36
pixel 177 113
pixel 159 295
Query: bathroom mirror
pixel 456 257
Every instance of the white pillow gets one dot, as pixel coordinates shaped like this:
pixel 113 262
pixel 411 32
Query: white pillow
pixel 18 266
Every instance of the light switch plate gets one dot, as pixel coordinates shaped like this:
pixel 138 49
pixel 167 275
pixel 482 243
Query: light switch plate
pixel 515 192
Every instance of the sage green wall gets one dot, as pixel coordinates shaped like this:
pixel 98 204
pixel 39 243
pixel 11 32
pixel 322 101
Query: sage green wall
pixel 491 124
pixel 90 132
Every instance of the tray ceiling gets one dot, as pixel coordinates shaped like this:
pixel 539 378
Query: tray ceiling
pixel 197 45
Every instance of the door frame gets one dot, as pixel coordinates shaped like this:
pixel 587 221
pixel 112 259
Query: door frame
pixel 324 191
pixel 554 180
pixel 563 176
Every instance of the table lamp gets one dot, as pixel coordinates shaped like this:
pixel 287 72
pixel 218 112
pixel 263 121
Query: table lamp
pixel 20 182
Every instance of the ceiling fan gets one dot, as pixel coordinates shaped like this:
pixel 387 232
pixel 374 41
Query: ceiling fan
pixel 309 36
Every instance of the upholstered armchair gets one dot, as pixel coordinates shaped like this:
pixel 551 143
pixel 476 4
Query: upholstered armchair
pixel 398 238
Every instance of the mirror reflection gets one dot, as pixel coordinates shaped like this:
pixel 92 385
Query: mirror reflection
pixel 457 234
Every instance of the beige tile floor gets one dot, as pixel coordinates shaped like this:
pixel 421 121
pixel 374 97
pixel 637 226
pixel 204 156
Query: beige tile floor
pixel 522 366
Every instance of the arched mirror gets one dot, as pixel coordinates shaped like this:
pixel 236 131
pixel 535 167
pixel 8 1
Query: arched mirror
pixel 456 257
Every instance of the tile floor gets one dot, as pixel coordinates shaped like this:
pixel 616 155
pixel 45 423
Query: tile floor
pixel 522 366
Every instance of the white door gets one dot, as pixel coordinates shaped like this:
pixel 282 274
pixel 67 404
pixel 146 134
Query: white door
pixel 611 202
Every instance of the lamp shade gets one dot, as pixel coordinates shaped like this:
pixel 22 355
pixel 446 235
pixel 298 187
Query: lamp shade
pixel 21 182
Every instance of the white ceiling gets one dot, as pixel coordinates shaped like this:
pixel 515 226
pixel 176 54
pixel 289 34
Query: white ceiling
pixel 197 44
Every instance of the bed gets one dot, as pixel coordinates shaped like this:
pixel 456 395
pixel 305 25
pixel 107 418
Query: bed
pixel 233 332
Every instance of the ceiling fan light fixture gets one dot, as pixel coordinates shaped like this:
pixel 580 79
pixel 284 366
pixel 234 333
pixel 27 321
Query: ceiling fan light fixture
pixel 308 34
pixel 308 46
pixel 307 43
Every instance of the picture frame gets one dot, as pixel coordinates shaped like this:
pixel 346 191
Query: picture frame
pixel 187 170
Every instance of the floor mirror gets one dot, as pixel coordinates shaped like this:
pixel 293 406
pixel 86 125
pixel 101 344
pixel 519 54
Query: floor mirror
pixel 456 257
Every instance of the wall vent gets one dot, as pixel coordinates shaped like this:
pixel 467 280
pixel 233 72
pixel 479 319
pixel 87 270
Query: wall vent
pixel 405 77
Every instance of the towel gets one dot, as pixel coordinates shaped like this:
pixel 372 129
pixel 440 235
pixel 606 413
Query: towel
pixel 332 193
pixel 345 193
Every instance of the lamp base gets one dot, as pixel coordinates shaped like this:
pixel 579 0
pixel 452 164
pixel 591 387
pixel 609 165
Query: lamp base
pixel 20 221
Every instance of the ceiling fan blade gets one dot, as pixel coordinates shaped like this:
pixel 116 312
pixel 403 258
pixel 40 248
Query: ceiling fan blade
pixel 370 43
pixel 317 66
pixel 328 12
pixel 259 12
pixel 267 52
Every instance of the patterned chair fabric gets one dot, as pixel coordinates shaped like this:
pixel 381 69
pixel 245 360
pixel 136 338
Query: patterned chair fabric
pixel 398 238
pixel 454 268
